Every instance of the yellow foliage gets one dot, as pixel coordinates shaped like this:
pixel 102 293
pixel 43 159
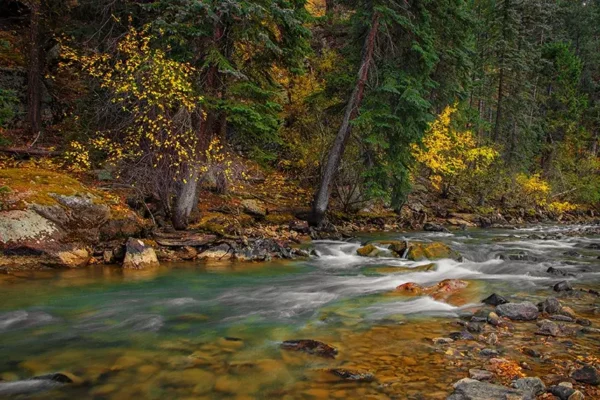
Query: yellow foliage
pixel 448 153
pixel 559 207
pixel 155 91
pixel 534 188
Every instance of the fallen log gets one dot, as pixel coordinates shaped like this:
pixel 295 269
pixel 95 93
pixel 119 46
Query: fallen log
pixel 174 240
pixel 24 151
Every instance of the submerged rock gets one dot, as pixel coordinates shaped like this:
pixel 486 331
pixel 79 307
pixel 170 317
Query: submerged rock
pixel 551 306
pixel 431 227
pixel 548 328
pixel 34 385
pixel 532 385
pixel 562 392
pixel 563 286
pixel 559 272
pixel 480 374
pixel 494 300
pixel 310 346
pixel 470 389
pixel 525 311
pixel 353 375
pixel 587 374
pixel 138 255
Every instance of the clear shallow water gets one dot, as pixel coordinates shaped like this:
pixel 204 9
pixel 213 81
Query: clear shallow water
pixel 214 330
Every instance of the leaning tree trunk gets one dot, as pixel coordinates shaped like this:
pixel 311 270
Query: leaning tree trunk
pixel 34 72
pixel 336 152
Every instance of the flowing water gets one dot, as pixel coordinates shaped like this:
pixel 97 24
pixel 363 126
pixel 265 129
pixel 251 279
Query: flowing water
pixel 214 330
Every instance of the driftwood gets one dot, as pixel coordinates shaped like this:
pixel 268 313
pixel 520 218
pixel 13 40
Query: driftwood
pixel 25 151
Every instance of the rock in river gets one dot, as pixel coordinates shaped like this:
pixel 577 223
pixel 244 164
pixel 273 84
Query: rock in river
pixel 494 300
pixel 525 311
pixel 563 286
pixel 470 389
pixel 551 306
pixel 419 251
pixel 534 386
pixel 587 374
pixel 139 256
pixel 353 375
pixel 309 346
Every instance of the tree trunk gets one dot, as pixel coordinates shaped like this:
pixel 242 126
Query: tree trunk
pixel 186 200
pixel 34 70
pixel 336 152
pixel 187 191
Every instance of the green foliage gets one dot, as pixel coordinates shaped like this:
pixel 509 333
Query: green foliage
pixel 8 103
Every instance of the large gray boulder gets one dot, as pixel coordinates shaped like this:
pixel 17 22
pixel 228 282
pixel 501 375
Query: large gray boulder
pixel 525 311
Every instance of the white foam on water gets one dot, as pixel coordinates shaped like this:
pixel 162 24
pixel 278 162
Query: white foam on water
pixel 423 304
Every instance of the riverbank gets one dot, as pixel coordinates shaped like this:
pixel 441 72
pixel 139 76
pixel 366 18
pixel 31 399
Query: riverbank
pixel 53 220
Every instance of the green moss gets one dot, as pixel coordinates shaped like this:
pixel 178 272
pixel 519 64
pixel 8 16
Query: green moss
pixel 279 219
pixel 36 186
pixel 368 251
pixel 419 251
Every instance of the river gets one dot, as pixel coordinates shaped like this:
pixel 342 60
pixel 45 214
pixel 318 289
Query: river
pixel 214 330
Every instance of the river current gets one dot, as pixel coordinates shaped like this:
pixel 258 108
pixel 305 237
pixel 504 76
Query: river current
pixel 213 330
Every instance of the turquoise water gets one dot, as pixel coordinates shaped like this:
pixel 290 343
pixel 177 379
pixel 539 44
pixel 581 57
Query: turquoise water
pixel 213 330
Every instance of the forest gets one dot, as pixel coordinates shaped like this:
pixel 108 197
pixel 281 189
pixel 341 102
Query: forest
pixel 492 105
pixel 300 199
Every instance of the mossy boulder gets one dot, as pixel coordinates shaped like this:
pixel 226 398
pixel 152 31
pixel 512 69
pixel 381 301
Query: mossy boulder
pixel 368 250
pixel 419 251
pixel 55 218
pixel 397 247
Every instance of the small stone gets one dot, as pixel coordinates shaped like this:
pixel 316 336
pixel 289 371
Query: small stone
pixel 311 347
pixel 548 328
pixel 551 306
pixel 587 374
pixel 535 386
pixel 492 339
pixel 474 327
pixel 563 286
pixel 562 392
pixel 577 395
pixel 525 311
pixel 442 340
pixel 568 311
pixel 254 208
pixel 583 322
pixel 480 374
pixel 352 375
pixel 531 352
pixel 494 300
pixel 139 256
pixel 488 352
pixel 590 330
pixel 493 319
pixel 464 335
pixel 563 318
